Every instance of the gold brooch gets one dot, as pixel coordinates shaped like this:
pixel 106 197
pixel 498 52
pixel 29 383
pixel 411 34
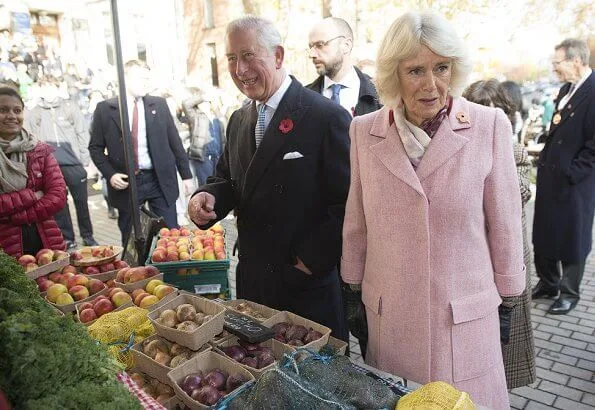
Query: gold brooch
pixel 557 118
pixel 462 117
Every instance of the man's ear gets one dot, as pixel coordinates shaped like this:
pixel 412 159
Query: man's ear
pixel 347 46
pixel 279 56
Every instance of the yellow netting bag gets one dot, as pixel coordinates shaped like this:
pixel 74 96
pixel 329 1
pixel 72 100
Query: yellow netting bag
pixel 436 396
pixel 120 330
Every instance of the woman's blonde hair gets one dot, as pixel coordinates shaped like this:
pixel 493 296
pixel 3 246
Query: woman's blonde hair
pixel 404 39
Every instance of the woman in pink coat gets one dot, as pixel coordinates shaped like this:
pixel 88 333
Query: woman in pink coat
pixel 432 229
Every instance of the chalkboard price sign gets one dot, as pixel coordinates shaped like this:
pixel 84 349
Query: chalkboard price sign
pixel 245 328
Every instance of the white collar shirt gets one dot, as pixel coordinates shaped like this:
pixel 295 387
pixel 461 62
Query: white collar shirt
pixel 349 94
pixel 569 95
pixel 273 102
pixel 143 155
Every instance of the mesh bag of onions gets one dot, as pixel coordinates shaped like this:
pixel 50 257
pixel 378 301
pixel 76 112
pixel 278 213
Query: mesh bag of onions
pixel 316 382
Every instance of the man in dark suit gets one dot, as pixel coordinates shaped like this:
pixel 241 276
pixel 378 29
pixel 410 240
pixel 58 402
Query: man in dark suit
pixel 330 46
pixel 158 150
pixel 285 172
pixel 565 199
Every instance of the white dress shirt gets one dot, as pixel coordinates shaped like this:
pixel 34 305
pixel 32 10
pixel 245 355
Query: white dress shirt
pixel 144 158
pixel 569 95
pixel 273 102
pixel 349 94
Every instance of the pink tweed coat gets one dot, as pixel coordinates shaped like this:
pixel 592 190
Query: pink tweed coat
pixel 435 248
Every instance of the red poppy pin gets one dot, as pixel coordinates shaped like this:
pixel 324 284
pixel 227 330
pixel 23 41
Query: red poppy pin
pixel 286 125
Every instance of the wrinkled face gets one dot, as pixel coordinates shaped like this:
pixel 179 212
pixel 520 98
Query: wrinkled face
pixel 424 81
pixel 255 70
pixel 563 67
pixel 326 50
pixel 138 81
pixel 11 117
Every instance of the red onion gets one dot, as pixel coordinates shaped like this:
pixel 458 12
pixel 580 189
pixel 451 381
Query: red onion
pixel 214 379
pixel 207 395
pixel 295 342
pixel 250 361
pixel 280 338
pixel 265 359
pixel 280 328
pixel 296 332
pixel 249 346
pixel 311 336
pixel 235 352
pixel 191 382
pixel 234 381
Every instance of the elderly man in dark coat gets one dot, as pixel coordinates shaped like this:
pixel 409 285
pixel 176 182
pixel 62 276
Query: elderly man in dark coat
pixel 565 200
pixel 285 172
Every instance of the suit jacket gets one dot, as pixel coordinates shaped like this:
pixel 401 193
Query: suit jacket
pixel 165 147
pixel 436 247
pixel 565 197
pixel 368 97
pixel 288 208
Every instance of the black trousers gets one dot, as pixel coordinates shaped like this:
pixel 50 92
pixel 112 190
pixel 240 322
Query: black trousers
pixel 567 281
pixel 148 190
pixel 76 182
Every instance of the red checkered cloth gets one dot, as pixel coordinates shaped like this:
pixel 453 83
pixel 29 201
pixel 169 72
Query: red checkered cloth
pixel 146 401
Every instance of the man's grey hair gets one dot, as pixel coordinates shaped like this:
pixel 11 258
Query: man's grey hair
pixel 267 34
pixel 575 48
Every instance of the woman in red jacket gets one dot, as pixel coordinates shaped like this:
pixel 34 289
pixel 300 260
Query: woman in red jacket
pixel 32 188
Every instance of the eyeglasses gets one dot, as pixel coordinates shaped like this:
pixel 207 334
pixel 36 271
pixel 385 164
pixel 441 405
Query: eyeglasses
pixel 555 63
pixel 319 45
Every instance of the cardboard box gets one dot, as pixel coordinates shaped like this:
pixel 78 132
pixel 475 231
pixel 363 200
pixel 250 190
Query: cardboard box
pixel 294 319
pixel 276 346
pixel 263 312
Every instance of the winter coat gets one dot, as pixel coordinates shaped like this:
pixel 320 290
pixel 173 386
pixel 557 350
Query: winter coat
pixel 565 197
pixel 23 207
pixel 436 247
pixel 62 125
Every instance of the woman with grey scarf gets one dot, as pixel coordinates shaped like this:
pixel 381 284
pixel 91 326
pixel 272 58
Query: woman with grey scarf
pixel 32 188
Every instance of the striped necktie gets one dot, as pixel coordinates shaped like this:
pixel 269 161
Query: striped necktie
pixel 259 131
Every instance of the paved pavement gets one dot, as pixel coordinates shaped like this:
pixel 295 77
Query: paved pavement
pixel 564 345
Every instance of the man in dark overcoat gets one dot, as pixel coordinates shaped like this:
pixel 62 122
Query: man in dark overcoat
pixel 565 199
pixel 285 173
pixel 158 150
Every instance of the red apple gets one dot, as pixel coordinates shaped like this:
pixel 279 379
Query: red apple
pixel 95 285
pixel 44 285
pixel 62 279
pixel 108 267
pixel 220 255
pixel 120 264
pixel 164 232
pixel 79 292
pixel 60 255
pixel 158 256
pixel 44 256
pixel 69 268
pixel 76 256
pixel 85 305
pixel 151 271
pixel 172 256
pixel 91 270
pixel 107 252
pixel 54 276
pixel 87 315
pixel 97 252
pixel 103 306
pixel 98 298
pixel 185 232
pixel 122 274
pixel 27 259
pixel 110 283
pixel 30 267
pixel 113 291
pixel 76 280
pixel 121 298
pixel 137 274
pixel 140 297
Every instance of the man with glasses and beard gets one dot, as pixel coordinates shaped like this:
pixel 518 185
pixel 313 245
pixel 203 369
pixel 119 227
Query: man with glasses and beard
pixel 565 198
pixel 330 45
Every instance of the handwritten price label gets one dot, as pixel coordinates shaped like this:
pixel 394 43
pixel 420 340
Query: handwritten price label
pixel 246 328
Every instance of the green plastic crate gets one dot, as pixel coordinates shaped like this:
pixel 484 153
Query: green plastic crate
pixel 186 274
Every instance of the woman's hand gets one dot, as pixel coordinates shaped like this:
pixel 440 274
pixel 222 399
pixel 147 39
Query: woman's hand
pixel 300 265
pixel 38 194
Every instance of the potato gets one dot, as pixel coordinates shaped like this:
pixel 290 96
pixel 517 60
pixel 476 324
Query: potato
pixel 168 318
pixel 154 347
pixel 178 360
pixel 186 312
pixel 187 326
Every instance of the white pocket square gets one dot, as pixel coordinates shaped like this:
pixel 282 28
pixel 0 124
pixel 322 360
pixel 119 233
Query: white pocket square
pixel 292 155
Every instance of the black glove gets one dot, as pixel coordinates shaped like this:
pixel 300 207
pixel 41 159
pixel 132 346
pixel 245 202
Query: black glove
pixel 505 313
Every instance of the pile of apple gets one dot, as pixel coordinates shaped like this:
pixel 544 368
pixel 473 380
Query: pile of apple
pixel 89 252
pixel 184 245
pixel 43 257
pixel 106 267
pixel 69 287
pixel 102 304
pixel 131 275
pixel 151 294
